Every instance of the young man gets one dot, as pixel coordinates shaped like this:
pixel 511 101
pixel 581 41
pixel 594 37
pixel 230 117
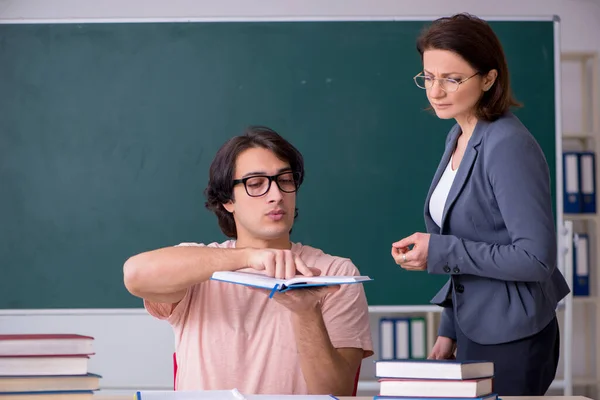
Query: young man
pixel 232 336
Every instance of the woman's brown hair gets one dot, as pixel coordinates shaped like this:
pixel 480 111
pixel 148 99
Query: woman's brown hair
pixel 474 40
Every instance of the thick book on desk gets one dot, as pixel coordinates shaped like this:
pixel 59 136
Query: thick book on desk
pixel 45 344
pixel 434 369
pixel 283 285
pixel 435 388
pixel 48 383
pixel 59 395
pixel 44 365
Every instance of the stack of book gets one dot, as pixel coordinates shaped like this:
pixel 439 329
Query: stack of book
pixel 435 379
pixel 46 367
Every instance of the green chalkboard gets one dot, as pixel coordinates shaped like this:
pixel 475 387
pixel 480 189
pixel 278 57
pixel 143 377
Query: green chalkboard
pixel 107 132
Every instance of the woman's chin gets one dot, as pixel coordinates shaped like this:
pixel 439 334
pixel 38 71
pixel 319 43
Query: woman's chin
pixel 444 114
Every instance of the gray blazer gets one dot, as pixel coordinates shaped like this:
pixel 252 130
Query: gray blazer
pixel 497 243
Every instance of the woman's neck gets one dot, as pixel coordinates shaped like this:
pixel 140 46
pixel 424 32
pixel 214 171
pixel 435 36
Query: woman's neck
pixel 467 125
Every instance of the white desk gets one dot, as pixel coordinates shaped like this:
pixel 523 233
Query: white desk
pixel 371 398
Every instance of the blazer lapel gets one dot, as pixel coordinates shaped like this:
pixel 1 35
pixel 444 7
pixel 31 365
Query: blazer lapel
pixel 464 168
pixel 450 145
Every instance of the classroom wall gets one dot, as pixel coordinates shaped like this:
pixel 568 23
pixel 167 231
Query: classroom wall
pixel 132 348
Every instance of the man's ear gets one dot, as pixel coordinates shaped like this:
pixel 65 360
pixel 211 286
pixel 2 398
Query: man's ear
pixel 228 206
pixel 489 80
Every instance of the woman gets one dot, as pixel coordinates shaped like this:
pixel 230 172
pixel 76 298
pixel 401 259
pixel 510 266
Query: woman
pixel 488 215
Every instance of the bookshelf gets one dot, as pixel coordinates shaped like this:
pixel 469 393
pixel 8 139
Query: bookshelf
pixel 580 75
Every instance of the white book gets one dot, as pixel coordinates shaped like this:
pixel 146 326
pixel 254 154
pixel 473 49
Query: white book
pixel 434 388
pixel 44 365
pixel 282 285
pixel 434 369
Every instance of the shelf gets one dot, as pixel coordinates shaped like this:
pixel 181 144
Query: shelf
pixel 585 381
pixel 560 383
pixel 577 56
pixel 586 137
pixel 580 135
pixel 580 217
pixel 585 300
pixel 370 386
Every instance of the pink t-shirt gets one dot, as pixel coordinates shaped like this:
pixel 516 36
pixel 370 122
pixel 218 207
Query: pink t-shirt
pixel 228 336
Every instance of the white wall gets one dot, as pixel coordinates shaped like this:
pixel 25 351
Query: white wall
pixel 132 347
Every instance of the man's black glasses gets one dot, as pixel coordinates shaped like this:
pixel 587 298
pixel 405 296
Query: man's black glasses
pixel 258 185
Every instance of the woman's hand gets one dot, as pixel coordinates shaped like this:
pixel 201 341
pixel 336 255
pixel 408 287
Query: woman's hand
pixel 443 349
pixel 415 258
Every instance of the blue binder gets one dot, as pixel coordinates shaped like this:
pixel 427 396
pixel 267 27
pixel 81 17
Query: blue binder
pixel 394 339
pixel 581 265
pixel 402 338
pixel 387 347
pixel 587 169
pixel 572 203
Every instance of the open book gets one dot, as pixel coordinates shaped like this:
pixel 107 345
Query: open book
pixel 283 285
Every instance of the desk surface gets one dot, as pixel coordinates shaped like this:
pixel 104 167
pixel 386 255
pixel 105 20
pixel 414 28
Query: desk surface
pixel 100 397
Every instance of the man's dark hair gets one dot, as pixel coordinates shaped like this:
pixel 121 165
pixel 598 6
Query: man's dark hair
pixel 220 182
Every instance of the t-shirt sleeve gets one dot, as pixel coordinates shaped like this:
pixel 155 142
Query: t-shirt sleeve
pixel 346 313
pixel 173 313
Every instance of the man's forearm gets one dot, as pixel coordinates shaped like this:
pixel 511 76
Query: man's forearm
pixel 324 369
pixel 173 269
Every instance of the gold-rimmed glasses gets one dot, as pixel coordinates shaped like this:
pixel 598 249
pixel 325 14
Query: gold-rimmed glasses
pixel 448 85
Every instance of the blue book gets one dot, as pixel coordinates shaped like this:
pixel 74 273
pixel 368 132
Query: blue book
pixel 491 396
pixel 283 285
pixel 387 342
pixel 29 384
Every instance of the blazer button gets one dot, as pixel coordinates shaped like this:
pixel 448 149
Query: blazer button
pixel 456 270
pixel 459 288
pixel 446 268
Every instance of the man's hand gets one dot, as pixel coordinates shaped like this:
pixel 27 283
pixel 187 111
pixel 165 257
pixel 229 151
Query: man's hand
pixel 443 349
pixel 304 300
pixel 281 264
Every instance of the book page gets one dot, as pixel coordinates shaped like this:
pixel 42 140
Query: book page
pixel 267 282
pixel 330 280
pixel 247 278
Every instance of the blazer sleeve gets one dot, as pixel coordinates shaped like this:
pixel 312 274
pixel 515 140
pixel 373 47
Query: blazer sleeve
pixel 447 328
pixel 519 175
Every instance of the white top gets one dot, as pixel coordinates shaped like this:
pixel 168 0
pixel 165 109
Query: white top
pixel 440 194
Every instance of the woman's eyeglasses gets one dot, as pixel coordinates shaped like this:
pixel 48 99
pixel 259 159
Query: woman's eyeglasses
pixel 448 85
